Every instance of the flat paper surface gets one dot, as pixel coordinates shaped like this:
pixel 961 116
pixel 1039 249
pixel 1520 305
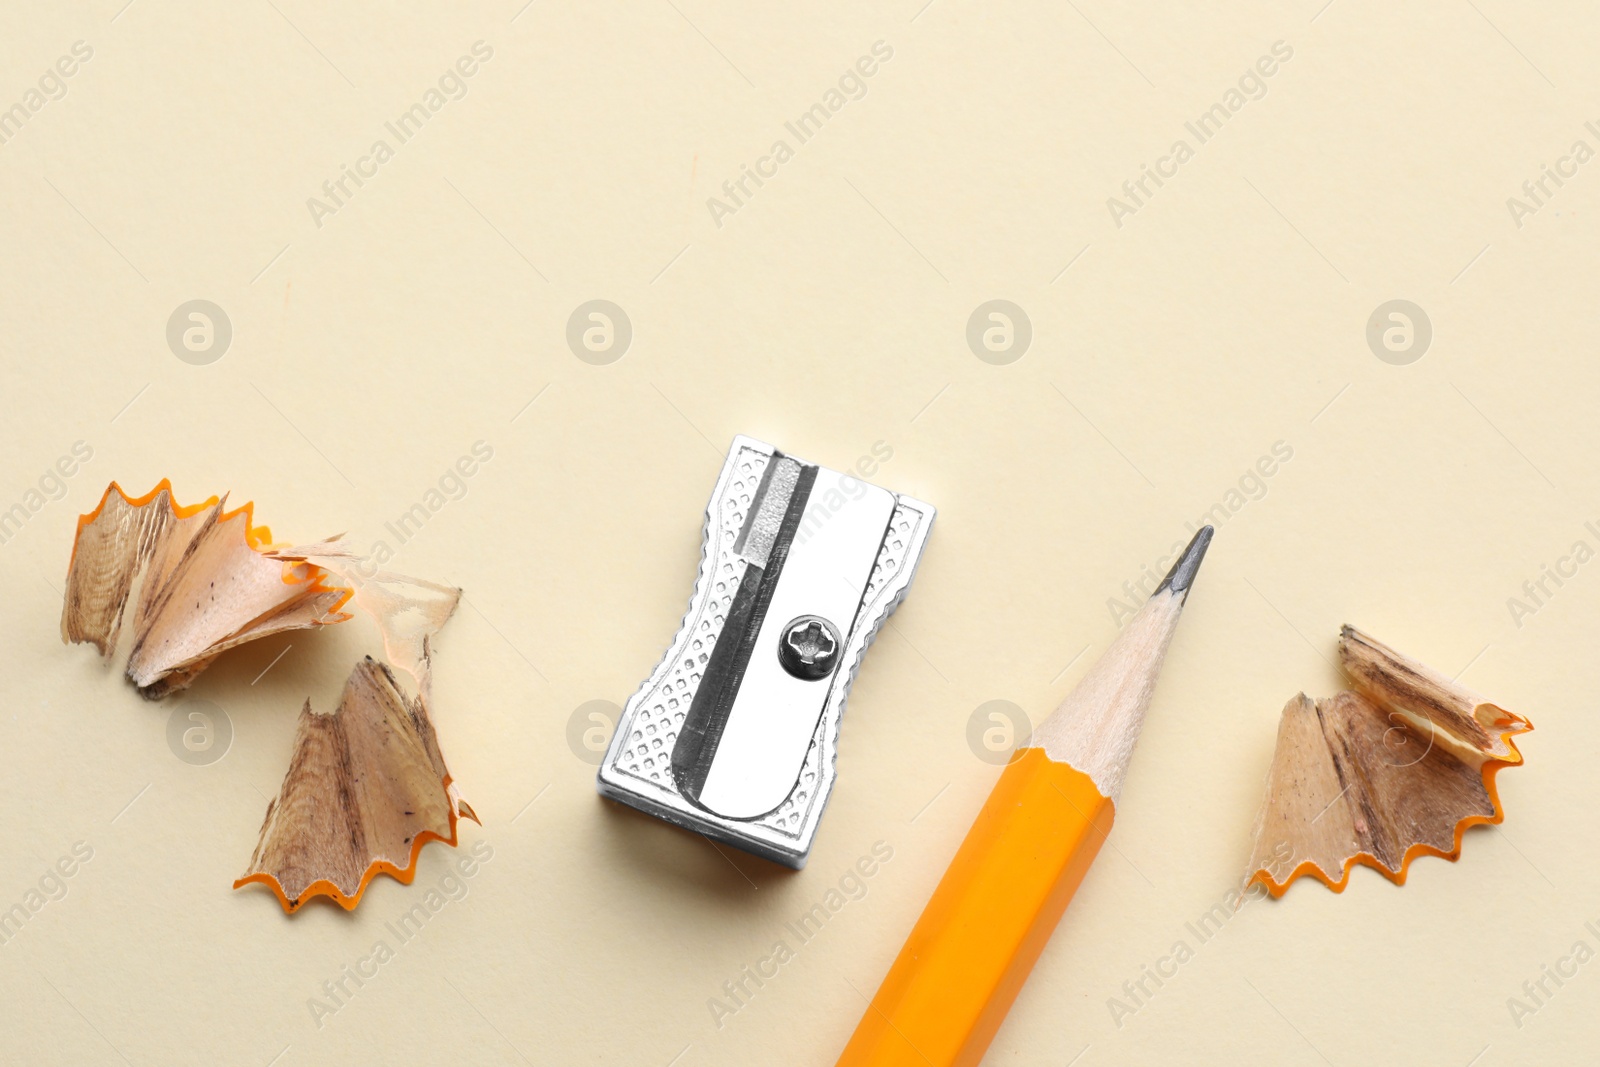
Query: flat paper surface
pixel 400 364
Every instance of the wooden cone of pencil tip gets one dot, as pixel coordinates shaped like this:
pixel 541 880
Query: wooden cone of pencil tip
pixel 366 788
pixel 1397 768
pixel 206 582
pixel 989 919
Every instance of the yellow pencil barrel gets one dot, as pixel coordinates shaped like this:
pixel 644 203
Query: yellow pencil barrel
pixel 968 955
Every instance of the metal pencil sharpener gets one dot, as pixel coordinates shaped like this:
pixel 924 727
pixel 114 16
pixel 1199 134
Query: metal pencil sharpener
pixel 735 734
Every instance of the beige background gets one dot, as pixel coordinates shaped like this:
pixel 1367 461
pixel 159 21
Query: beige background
pixel 826 314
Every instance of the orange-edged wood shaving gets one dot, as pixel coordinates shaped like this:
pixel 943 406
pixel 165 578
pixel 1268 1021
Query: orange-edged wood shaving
pixel 1399 767
pixel 205 583
pixel 366 788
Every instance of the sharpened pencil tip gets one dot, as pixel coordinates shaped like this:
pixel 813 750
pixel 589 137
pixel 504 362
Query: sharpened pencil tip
pixel 1181 576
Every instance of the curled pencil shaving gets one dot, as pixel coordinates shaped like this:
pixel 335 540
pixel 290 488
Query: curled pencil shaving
pixel 206 580
pixel 1398 768
pixel 367 787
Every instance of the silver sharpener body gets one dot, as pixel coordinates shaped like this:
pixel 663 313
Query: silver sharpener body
pixel 735 734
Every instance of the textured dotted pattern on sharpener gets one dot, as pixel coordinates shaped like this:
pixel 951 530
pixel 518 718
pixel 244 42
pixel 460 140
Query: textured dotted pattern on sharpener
pixel 655 725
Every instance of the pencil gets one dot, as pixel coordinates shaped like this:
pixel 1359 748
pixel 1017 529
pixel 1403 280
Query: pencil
pixel 966 959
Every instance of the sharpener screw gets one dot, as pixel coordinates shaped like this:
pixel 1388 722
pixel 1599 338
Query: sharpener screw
pixel 809 647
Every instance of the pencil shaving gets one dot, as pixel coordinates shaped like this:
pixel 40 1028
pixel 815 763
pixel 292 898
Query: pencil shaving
pixel 366 789
pixel 1398 767
pixel 205 580
pixel 367 786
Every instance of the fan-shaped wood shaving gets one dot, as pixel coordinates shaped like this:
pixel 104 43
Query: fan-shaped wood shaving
pixel 206 584
pixel 366 789
pixel 1396 769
